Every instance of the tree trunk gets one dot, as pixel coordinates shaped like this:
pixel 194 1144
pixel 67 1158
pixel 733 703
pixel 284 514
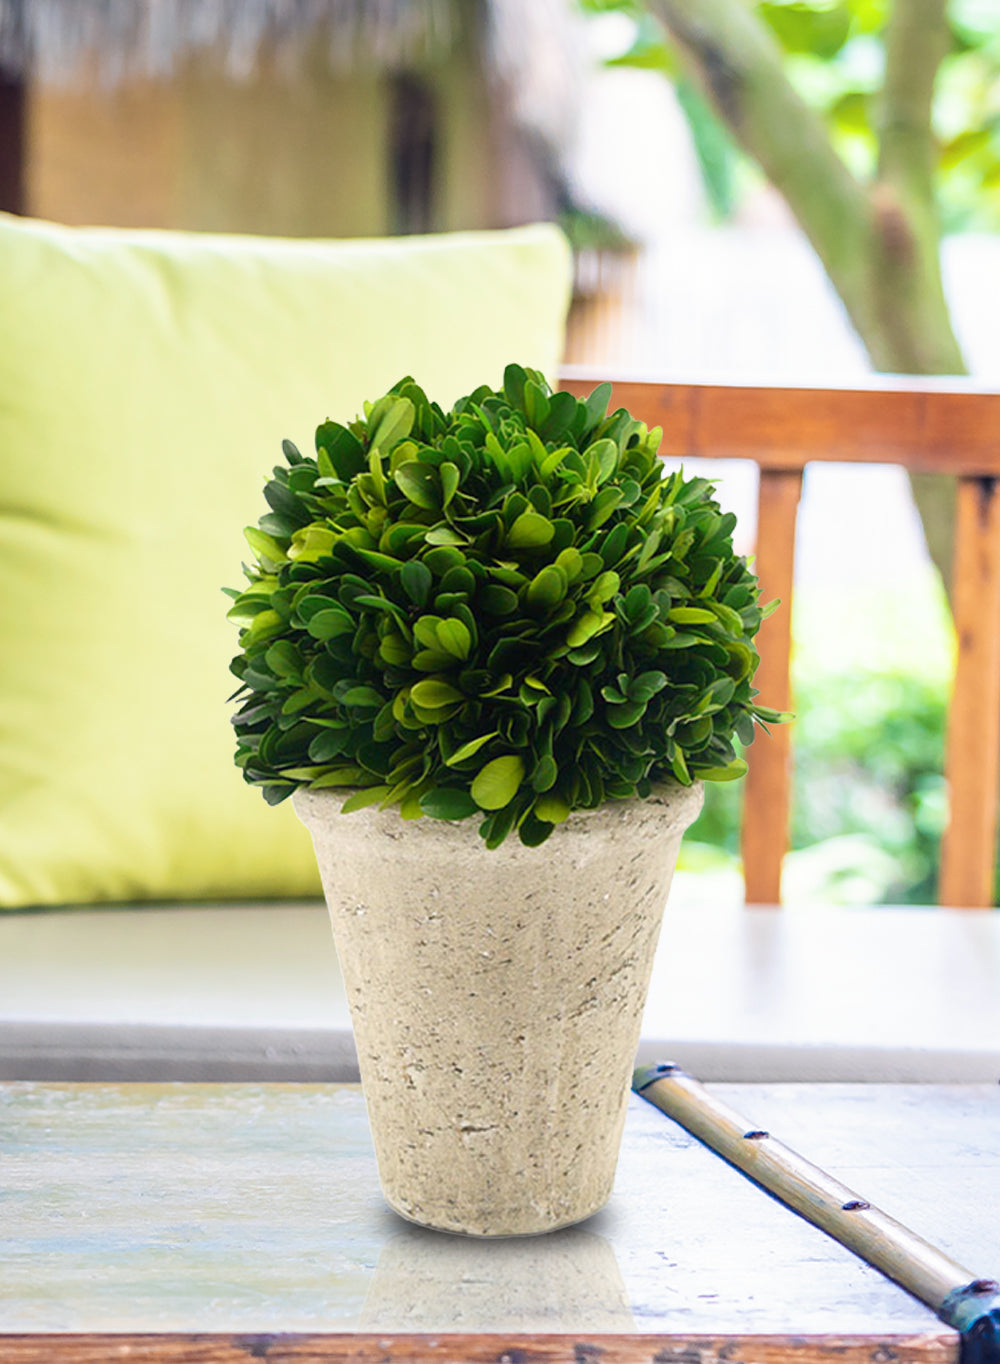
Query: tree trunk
pixel 879 243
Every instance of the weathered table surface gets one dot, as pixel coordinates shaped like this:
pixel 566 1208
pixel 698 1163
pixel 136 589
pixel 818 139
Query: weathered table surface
pixel 230 1222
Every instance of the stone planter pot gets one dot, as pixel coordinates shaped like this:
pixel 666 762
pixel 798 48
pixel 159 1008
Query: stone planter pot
pixel 496 999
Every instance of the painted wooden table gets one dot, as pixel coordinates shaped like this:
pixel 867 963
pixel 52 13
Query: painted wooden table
pixel 220 1223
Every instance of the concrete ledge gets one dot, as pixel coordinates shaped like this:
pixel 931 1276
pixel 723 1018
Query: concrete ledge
pixel 254 992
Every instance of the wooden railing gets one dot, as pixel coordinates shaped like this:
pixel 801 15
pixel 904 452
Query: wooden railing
pixel 940 426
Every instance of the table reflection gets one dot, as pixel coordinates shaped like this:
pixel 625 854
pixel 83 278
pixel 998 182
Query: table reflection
pixel 432 1281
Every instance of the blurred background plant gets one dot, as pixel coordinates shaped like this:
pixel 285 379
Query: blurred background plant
pixel 834 55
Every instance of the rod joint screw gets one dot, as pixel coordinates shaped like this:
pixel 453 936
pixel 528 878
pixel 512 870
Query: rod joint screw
pixel 757 1134
pixel 855 1205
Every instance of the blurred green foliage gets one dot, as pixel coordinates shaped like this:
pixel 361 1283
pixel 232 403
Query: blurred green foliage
pixel 835 57
pixel 869 789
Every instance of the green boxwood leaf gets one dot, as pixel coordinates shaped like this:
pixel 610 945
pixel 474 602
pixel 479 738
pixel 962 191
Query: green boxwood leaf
pixel 547 588
pixel 425 631
pixel 432 660
pixel 448 802
pixel 646 685
pixel 586 626
pixel 468 750
pixel 731 772
pixel 626 715
pixel 434 693
pixel 454 638
pixel 265 546
pixel 603 589
pixel 545 773
pixel 419 484
pixel 445 535
pixel 497 783
pixel 552 808
pixel 361 697
pixel 338 776
pixel 331 622
pixel 416 580
pixel 389 421
pixel 329 743
pixel 394 649
pixel 531 530
pixel 450 479
pixel 367 795
pixel 533 831
pixel 284 659
pixel 344 452
pixel 497 600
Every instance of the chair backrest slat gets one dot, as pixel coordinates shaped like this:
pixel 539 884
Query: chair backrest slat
pixel 767 790
pixel 944 426
pixel 973 762
pixel 933 425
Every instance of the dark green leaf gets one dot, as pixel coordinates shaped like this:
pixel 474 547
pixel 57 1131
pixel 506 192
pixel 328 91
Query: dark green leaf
pixel 344 450
pixel 622 717
pixel 361 697
pixel 496 600
pixel 448 802
pixel 533 831
pixel 416 580
pixel 545 773
pixel 419 484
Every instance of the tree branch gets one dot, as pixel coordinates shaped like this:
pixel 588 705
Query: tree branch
pixel 880 244
pixel 916 40
pixel 735 60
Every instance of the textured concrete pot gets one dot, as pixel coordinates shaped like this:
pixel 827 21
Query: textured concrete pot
pixel 496 999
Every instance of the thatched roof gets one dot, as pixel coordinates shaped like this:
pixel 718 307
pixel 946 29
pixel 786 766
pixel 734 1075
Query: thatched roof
pixel 54 39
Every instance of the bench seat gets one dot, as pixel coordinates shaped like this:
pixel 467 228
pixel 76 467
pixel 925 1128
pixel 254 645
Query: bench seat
pixel 248 992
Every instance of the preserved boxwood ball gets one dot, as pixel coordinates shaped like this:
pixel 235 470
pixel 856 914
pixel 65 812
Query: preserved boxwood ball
pixel 507 611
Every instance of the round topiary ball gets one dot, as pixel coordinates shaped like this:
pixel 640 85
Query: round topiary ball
pixel 506 610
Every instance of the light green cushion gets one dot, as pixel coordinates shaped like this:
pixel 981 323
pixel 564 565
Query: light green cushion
pixel 146 382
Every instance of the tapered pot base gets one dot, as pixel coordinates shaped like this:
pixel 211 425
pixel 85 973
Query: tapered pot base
pixel 496 998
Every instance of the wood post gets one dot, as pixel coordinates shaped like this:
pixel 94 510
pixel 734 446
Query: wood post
pixel 972 766
pixel 13 140
pixel 767 791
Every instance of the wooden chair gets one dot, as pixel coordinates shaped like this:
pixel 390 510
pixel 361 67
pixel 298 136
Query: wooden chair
pixel 940 426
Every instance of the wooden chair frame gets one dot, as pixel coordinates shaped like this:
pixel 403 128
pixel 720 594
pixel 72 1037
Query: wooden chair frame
pixel 938 426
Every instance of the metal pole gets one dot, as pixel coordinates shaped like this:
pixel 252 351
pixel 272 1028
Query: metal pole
pixel 969 1304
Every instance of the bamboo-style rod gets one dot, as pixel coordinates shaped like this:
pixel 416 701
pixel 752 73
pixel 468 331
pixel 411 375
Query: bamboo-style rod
pixel 957 1295
pixel 972 767
pixel 767 791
